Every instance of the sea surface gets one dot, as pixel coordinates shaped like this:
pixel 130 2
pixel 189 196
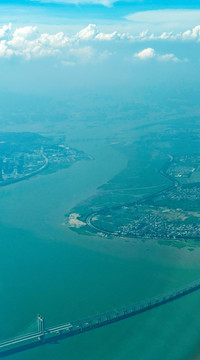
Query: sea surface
pixel 46 268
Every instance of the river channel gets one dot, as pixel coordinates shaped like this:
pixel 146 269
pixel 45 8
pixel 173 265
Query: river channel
pixel 47 268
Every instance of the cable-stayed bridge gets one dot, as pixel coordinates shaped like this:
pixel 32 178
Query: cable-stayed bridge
pixel 53 334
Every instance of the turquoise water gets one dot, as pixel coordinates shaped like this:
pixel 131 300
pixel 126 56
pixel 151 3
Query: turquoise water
pixel 46 268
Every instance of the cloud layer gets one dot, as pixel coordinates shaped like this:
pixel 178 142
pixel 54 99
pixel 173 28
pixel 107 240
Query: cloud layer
pixel 89 43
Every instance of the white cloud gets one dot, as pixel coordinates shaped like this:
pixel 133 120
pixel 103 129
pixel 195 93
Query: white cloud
pixel 168 16
pixel 168 57
pixel 150 53
pixel 193 34
pixel 56 41
pixel 27 42
pixel 88 33
pixel 145 54
pixel 91 32
pixel 4 50
pixel 108 37
pixel 4 30
pixel 24 32
pixel 188 35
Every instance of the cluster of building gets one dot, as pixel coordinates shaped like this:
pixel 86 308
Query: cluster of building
pixel 61 154
pixel 17 165
pixel 183 167
pixel 191 193
pixel 155 226
pixel 155 221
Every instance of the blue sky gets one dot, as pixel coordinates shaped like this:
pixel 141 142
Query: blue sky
pixel 64 40
pixel 138 4
pixel 99 8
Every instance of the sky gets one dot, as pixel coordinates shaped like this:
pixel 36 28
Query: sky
pixel 71 44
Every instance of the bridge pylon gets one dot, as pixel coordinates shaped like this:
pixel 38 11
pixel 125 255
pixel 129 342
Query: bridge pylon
pixel 41 327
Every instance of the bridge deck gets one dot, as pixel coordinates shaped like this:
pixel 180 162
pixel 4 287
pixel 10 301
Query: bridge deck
pixel 52 334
